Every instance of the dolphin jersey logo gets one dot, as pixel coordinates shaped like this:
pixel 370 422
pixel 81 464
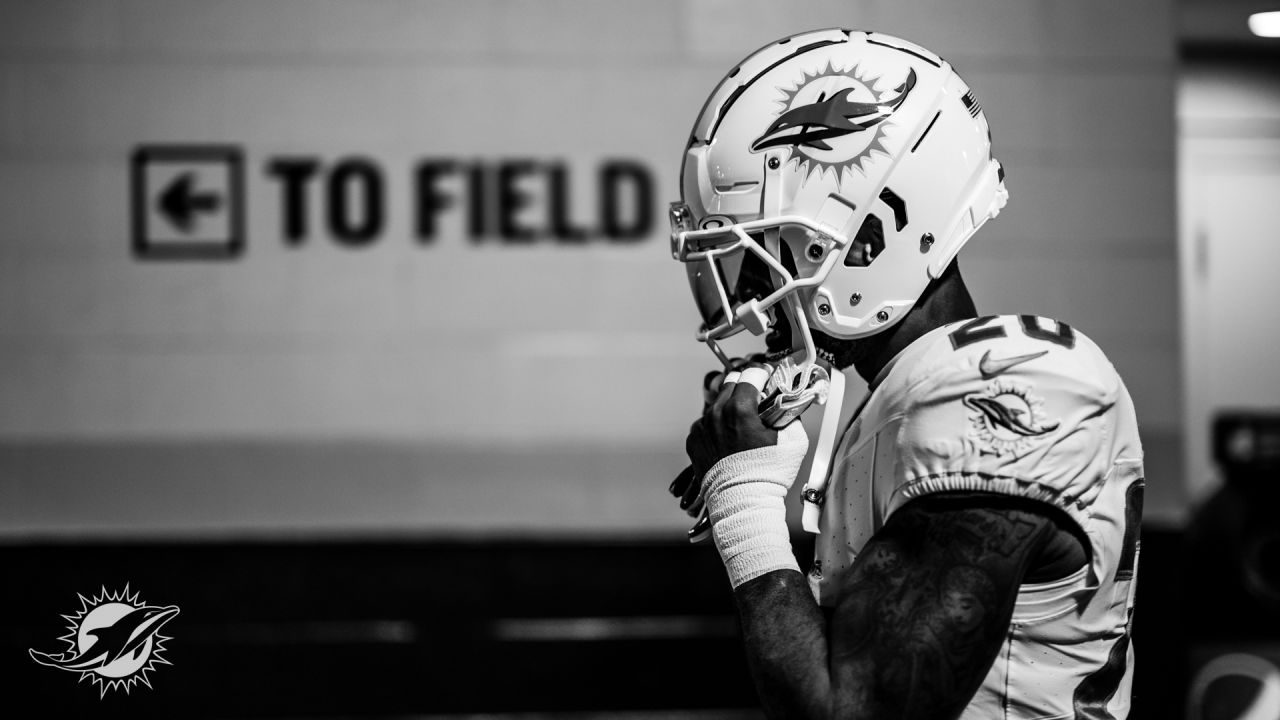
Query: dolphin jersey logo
pixel 1008 416
pixel 831 117
pixel 114 640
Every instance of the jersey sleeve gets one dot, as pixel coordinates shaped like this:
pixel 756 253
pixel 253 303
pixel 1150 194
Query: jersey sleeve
pixel 1013 413
pixel 1015 405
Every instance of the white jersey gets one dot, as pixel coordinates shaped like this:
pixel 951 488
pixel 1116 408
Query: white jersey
pixel 1023 406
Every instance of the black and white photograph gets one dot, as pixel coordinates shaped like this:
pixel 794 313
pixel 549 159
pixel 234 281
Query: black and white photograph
pixel 630 360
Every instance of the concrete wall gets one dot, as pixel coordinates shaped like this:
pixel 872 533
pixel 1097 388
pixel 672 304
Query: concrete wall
pixel 460 386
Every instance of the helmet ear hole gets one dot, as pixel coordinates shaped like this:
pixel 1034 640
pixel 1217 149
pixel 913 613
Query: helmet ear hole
pixel 867 244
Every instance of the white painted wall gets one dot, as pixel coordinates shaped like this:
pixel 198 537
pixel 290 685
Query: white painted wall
pixel 501 354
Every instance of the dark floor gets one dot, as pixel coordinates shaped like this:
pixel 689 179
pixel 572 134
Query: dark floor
pixel 388 629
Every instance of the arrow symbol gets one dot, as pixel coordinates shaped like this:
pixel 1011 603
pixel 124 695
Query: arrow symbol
pixel 179 202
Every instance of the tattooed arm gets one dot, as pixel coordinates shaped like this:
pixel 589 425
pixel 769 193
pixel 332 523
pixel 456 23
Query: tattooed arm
pixel 922 616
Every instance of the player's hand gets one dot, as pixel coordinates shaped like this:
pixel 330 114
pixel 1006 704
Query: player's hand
pixel 687 486
pixel 730 424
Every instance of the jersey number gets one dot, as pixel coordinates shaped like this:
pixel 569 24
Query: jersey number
pixel 1096 690
pixel 975 331
pixel 1128 563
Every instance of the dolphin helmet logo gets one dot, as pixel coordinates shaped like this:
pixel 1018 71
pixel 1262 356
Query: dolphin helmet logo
pixel 811 125
pixel 114 641
pixel 834 119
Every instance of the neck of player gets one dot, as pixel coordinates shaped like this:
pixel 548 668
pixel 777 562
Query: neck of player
pixel 944 301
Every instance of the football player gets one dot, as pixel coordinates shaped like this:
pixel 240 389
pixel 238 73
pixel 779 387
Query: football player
pixel 977 519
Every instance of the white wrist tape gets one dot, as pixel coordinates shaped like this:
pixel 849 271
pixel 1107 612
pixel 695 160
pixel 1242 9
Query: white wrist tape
pixel 745 496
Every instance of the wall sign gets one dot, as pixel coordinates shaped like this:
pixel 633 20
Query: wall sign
pixel 189 202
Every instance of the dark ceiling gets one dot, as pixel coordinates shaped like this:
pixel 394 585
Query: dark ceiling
pixel 1219 28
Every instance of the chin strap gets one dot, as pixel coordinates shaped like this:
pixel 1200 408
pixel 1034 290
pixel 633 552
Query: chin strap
pixel 819 471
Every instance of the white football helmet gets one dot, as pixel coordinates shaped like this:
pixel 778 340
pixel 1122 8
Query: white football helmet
pixel 803 152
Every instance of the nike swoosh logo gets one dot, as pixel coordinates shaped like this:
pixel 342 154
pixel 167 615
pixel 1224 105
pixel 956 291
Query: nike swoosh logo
pixel 991 368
